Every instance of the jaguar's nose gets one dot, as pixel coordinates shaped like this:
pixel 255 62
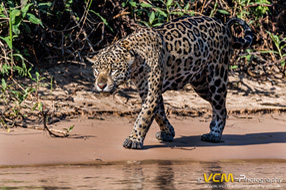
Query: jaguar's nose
pixel 101 85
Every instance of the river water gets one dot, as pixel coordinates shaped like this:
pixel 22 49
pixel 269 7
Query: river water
pixel 157 175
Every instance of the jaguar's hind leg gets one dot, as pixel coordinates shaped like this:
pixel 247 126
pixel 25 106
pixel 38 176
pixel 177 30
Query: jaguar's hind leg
pixel 213 88
pixel 166 132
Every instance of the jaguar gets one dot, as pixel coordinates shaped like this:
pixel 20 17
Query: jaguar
pixel 191 50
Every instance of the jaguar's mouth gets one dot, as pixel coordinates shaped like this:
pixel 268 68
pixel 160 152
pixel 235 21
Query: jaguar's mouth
pixel 106 91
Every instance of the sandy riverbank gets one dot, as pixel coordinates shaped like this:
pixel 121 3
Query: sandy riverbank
pixel 100 141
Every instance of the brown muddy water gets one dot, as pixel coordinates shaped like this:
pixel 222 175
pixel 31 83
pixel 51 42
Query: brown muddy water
pixel 156 175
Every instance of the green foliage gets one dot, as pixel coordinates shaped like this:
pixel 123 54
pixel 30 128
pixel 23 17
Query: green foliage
pixel 242 12
pixel 256 7
pixel 260 7
pixel 280 44
pixel 158 14
pixel 17 17
pixel 216 9
pixel 103 19
pixel 14 96
pixel 68 130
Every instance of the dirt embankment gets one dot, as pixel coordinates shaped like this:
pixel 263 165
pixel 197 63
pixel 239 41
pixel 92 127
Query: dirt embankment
pixel 73 95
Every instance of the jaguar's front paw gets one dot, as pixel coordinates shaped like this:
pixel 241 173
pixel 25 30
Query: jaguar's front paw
pixel 132 144
pixel 163 136
pixel 215 138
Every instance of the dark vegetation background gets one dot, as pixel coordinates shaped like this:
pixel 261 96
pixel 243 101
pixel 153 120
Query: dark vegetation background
pixel 37 34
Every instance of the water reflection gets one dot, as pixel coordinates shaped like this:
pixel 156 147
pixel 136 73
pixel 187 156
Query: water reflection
pixel 160 175
pixel 164 176
pixel 133 177
pixel 213 168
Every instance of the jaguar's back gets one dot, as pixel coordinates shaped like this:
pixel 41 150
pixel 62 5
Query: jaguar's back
pixel 192 44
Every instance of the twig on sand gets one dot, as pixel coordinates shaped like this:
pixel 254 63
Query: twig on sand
pixel 183 148
pixel 51 131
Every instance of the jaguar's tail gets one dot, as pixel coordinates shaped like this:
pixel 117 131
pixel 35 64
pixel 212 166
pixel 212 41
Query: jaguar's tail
pixel 240 43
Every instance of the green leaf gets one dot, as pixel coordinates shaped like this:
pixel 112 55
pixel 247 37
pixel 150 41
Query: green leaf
pixel 103 19
pixel 234 67
pixel 274 38
pixel 33 19
pixel 269 51
pixel 190 13
pixel 187 6
pixel 15 21
pixel 133 4
pixel 44 6
pixel 260 3
pixel 151 17
pixel 14 13
pixel 25 9
pixel 4 84
pixel 157 24
pixel 21 57
pixel 35 106
pixel 2 10
pixel 5 69
pixel 282 47
pixel 15 27
pixel 70 129
pixel 37 76
pixel 214 9
pixel 2 15
pixel 145 23
pixel 24 2
pixel 40 106
pixel 246 56
pixel 177 13
pixel 223 11
pixel 161 12
pixel 29 90
pixel 145 5
pixel 7 40
pixel 169 2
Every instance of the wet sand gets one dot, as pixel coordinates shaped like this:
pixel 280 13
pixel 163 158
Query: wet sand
pixel 93 141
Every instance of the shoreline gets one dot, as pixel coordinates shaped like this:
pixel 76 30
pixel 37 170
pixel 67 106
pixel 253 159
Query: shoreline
pixel 250 138
pixel 147 162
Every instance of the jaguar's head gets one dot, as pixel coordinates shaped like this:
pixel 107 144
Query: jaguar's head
pixel 111 69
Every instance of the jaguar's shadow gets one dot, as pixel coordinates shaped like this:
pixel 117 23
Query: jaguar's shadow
pixel 227 140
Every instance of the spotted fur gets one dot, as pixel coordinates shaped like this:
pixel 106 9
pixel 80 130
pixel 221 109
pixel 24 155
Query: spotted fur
pixel 193 50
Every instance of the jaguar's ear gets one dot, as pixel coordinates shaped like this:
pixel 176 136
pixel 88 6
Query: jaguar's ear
pixel 92 60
